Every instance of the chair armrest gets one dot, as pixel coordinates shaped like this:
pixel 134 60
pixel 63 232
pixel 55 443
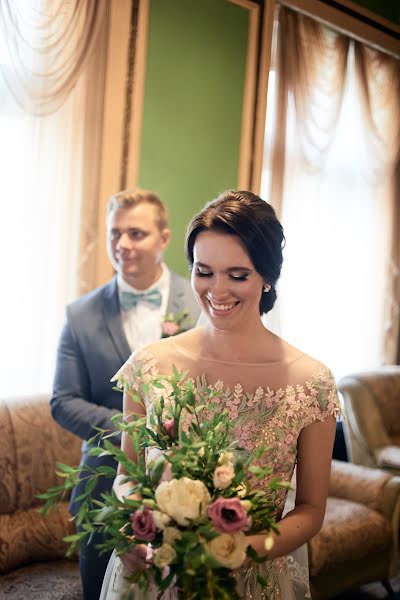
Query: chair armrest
pixel 365 485
pixel 391 501
pixel 388 457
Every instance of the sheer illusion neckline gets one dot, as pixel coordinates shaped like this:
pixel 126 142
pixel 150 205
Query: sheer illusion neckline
pixel 194 356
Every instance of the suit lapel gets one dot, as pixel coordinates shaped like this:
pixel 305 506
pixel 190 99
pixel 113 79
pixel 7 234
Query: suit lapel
pixel 112 320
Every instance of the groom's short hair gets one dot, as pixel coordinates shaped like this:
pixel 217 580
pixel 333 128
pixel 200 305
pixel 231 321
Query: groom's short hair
pixel 133 197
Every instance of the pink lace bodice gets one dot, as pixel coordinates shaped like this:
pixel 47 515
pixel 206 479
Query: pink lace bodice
pixel 270 404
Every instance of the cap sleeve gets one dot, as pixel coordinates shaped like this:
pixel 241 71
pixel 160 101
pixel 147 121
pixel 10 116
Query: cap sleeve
pixel 140 368
pixel 323 397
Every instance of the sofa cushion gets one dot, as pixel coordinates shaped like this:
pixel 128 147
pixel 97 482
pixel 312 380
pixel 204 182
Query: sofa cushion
pixel 30 444
pixel 26 536
pixel 58 580
pixel 350 530
pixel 358 484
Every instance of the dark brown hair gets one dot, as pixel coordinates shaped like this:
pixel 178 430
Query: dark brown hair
pixel 254 221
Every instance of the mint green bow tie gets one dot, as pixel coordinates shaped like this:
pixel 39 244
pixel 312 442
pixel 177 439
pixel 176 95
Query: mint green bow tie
pixel 130 299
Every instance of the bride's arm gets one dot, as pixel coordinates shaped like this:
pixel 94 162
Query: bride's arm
pixel 131 410
pixel 314 456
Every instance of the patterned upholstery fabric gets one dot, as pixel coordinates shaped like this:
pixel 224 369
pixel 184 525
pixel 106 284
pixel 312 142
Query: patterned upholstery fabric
pixel 30 444
pixel 386 391
pixel 351 530
pixel 26 536
pixel 358 484
pixel 388 457
pixel 372 426
pixel 357 543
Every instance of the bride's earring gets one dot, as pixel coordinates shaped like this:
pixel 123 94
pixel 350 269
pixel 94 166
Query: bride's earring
pixel 266 288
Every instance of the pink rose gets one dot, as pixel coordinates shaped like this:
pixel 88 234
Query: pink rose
pixel 228 515
pixel 143 525
pixel 169 426
pixel 170 328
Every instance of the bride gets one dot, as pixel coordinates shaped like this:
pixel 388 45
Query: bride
pixel 276 395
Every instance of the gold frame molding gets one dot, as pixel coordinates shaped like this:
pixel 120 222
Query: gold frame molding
pixel 136 75
pixel 249 93
pixel 112 125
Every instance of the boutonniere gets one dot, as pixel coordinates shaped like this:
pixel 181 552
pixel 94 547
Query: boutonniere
pixel 173 323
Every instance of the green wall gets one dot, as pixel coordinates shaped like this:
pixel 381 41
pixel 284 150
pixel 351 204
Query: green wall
pixel 389 9
pixel 192 107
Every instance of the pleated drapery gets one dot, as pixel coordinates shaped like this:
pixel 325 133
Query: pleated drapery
pixel 317 71
pixel 52 79
pixel 48 45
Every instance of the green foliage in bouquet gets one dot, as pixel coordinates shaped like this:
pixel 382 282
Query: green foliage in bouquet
pixel 196 493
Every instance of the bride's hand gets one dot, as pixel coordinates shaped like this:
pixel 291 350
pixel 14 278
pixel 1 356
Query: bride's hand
pixel 137 559
pixel 122 489
pixel 153 454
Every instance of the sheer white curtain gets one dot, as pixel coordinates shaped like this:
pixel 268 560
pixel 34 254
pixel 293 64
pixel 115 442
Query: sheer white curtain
pixel 336 199
pixel 45 174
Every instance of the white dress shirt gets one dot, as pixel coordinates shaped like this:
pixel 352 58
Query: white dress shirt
pixel 142 324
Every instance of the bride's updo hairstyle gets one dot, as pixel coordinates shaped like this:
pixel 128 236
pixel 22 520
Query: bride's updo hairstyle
pixel 254 221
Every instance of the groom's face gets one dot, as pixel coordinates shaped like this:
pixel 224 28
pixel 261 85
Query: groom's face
pixel 135 244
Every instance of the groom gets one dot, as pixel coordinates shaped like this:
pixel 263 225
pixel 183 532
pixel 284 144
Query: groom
pixel 102 329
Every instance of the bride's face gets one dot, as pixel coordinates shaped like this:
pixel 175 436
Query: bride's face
pixel 225 281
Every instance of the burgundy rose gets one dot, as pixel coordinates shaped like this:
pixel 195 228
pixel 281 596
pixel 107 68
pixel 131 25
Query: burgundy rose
pixel 228 515
pixel 169 426
pixel 143 525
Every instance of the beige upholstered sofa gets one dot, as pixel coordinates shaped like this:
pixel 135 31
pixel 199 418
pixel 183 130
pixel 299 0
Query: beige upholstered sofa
pixel 372 425
pixel 358 542
pixel 32 554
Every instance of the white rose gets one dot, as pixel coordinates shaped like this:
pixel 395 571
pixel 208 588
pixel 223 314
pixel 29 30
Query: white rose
pixel 171 534
pixel 181 499
pixel 223 476
pixel 229 550
pixel 164 556
pixel 160 519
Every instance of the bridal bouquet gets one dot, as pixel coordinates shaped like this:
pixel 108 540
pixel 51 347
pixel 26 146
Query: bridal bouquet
pixel 193 496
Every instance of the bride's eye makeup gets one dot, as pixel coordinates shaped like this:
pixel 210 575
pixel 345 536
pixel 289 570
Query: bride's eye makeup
pixel 203 273
pixel 239 277
pixel 234 276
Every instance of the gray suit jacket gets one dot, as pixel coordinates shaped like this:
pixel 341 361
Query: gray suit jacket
pixel 92 348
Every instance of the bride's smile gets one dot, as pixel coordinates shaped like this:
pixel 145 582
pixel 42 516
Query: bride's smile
pixel 225 281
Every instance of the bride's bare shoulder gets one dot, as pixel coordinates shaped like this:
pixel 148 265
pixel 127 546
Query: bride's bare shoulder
pixel 167 347
pixel 291 355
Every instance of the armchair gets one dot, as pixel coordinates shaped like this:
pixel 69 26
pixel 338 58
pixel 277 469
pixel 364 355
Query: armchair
pixel 372 425
pixel 358 541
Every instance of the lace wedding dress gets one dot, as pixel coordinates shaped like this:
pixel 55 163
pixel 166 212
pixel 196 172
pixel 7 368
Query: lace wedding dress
pixel 269 403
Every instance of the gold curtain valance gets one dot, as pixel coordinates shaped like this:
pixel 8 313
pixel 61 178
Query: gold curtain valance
pixel 46 44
